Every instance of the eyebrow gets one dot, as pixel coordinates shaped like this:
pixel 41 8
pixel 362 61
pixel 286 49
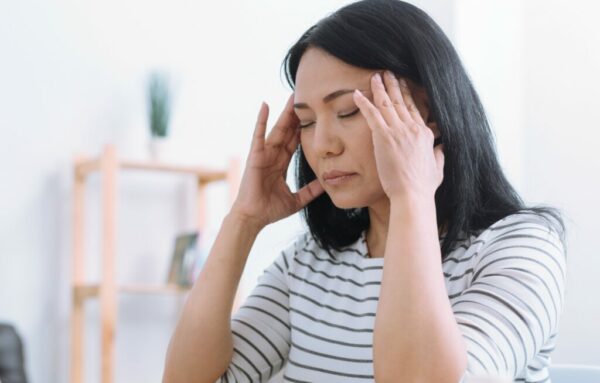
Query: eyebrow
pixel 330 97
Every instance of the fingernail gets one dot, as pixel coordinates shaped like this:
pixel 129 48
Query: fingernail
pixel 358 93
pixel 377 77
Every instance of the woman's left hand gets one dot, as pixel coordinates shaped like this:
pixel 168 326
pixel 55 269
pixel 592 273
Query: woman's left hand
pixel 406 161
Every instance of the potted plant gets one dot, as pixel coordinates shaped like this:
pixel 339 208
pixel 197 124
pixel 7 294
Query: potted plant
pixel 159 112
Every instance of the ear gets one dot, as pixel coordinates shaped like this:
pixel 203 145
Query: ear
pixel 422 101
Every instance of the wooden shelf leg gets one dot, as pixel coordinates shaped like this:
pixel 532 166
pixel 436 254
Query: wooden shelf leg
pixel 108 292
pixel 77 308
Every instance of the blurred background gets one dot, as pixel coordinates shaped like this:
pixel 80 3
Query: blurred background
pixel 73 78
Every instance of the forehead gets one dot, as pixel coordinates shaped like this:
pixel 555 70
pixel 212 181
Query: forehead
pixel 320 73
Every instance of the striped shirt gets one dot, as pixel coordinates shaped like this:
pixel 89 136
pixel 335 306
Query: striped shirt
pixel 313 315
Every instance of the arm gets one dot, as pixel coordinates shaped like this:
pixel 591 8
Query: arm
pixel 416 337
pixel 202 344
pixel 261 327
pixel 510 313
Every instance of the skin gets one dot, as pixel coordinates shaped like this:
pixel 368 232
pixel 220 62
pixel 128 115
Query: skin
pixel 389 144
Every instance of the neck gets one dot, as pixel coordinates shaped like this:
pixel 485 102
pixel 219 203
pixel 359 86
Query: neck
pixel 379 216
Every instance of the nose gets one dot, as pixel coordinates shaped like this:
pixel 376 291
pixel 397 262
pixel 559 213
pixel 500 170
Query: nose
pixel 326 140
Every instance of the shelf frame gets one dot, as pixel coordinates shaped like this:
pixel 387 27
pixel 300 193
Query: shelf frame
pixel 108 165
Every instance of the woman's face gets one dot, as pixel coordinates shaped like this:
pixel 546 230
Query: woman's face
pixel 334 135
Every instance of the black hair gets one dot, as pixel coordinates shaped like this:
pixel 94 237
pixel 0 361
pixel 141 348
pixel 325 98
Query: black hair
pixel 394 35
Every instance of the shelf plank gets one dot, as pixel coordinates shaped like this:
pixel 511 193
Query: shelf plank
pixel 82 292
pixel 204 174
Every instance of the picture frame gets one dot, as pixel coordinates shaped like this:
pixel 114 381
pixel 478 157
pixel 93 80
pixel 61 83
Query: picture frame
pixel 183 259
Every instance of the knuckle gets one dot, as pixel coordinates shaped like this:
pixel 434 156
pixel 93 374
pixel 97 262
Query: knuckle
pixel 397 102
pixel 413 126
pixel 383 103
pixel 427 132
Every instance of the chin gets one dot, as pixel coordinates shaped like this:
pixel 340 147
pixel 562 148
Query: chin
pixel 346 202
pixel 352 200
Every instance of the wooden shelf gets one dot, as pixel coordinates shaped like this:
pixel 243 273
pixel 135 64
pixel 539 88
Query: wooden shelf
pixel 107 290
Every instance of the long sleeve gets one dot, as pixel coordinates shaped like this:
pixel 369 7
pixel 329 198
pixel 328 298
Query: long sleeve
pixel 261 327
pixel 509 314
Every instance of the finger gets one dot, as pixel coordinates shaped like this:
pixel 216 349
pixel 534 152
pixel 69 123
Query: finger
pixel 290 148
pixel 395 94
pixel 374 118
pixel 284 126
pixel 409 102
pixel 284 155
pixel 258 138
pixel 384 103
pixel 308 193
pixel 293 142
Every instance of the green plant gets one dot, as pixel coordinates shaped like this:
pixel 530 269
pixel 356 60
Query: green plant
pixel 159 105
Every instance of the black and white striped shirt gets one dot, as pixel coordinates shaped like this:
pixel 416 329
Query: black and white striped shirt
pixel 314 315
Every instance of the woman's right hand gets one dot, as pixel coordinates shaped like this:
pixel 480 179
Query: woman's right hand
pixel 264 196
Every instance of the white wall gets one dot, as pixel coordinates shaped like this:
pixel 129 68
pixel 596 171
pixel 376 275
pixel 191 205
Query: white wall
pixel 488 37
pixel 536 65
pixel 561 129
pixel 72 78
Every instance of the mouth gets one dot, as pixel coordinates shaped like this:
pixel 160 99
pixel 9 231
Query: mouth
pixel 336 178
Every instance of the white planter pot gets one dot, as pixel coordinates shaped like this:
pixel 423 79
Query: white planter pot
pixel 158 148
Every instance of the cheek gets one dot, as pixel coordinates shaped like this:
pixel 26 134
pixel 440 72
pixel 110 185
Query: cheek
pixel 363 144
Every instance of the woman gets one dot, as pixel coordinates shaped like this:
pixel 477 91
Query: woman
pixel 396 163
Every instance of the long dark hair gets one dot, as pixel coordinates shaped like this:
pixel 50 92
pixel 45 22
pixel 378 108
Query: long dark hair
pixel 394 35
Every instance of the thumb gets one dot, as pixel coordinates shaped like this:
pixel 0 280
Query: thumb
pixel 308 193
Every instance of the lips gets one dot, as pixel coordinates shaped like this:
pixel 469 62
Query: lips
pixel 337 178
pixel 336 174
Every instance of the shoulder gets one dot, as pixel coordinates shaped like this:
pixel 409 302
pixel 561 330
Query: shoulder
pixel 300 244
pixel 306 243
pixel 525 237
pixel 525 225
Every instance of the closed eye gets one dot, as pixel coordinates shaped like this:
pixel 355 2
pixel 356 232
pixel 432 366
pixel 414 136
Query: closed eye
pixel 350 114
pixel 354 112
